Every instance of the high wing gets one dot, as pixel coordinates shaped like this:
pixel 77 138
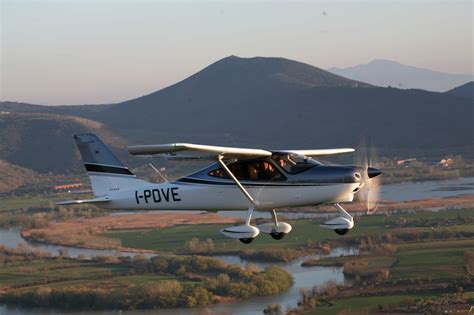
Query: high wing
pixel 211 151
pixel 206 151
pixel 317 152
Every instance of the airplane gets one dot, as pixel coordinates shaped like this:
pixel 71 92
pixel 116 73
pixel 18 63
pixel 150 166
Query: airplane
pixel 239 179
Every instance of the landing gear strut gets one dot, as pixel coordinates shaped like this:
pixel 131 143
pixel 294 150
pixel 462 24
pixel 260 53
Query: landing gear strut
pixel 248 217
pixel 275 234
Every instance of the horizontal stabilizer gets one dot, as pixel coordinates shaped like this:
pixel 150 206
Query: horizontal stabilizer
pixel 77 202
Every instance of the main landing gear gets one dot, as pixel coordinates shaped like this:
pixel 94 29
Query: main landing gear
pixel 247 233
pixel 277 230
pixel 341 224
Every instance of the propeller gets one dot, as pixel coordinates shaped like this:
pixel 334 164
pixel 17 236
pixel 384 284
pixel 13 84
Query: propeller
pixel 367 158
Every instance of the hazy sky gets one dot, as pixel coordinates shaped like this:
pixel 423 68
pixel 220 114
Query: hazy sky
pixel 81 52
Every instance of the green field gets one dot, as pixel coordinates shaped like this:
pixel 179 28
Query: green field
pixel 174 238
pixel 432 260
pixel 364 303
pixel 27 274
pixel 14 203
pixel 425 260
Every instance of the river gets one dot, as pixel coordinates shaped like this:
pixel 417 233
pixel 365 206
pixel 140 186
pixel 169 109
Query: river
pixel 304 277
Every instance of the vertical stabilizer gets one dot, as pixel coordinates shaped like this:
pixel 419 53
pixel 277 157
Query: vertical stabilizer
pixel 106 172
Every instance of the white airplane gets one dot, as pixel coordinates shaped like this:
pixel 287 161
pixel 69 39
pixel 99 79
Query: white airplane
pixel 251 179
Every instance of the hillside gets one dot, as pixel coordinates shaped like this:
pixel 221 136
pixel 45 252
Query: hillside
pixel 43 142
pixel 80 110
pixel 385 73
pixel 465 90
pixel 12 176
pixel 255 102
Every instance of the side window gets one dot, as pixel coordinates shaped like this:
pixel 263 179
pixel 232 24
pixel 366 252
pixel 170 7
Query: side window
pixel 251 170
pixel 263 171
pixel 218 173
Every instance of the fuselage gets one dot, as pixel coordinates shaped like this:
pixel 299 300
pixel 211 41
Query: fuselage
pixel 202 191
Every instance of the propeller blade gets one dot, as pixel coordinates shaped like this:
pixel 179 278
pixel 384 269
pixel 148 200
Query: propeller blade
pixel 366 159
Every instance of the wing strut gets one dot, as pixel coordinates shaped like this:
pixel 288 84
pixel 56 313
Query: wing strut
pixel 236 181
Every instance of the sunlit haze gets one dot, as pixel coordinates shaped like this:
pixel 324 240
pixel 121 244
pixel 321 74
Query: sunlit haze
pixel 93 52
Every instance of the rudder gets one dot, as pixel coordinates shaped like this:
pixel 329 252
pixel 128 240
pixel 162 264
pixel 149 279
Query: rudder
pixel 106 172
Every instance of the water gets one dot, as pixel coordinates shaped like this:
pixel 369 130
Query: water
pixel 12 238
pixel 428 189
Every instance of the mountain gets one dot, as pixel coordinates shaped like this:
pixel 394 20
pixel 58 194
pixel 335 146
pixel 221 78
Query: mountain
pixel 391 73
pixel 270 103
pixel 275 102
pixel 465 90
pixel 230 95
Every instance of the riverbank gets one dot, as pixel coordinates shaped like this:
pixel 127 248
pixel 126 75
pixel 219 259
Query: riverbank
pixel 86 233
pixel 34 279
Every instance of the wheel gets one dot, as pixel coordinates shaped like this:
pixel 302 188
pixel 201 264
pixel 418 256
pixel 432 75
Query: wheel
pixel 341 231
pixel 277 235
pixel 246 240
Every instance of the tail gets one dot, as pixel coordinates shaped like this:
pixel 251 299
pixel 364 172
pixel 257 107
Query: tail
pixel 106 173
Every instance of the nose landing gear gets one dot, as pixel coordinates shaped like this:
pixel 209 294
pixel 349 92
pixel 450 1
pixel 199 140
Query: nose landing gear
pixel 341 224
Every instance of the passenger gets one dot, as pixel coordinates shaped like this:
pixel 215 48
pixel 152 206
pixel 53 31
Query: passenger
pixel 268 171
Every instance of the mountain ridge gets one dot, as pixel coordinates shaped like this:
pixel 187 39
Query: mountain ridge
pixel 384 72
pixel 465 90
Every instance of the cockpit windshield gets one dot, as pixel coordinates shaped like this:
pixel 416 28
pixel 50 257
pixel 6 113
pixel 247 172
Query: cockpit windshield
pixel 293 163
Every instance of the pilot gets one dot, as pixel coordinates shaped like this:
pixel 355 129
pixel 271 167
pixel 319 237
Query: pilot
pixel 281 162
pixel 253 171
